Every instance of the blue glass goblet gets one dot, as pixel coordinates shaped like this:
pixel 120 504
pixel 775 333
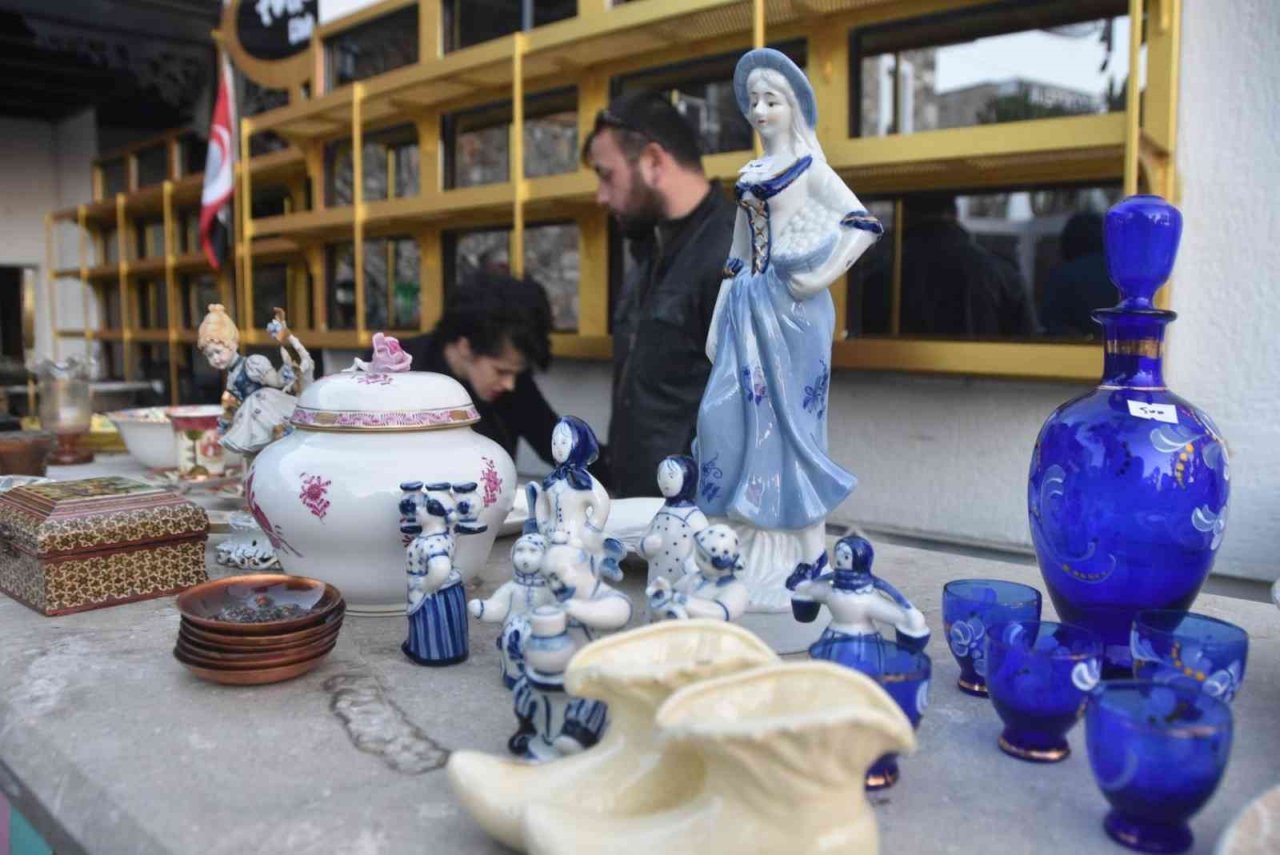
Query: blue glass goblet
pixel 969 606
pixel 1170 646
pixel 900 671
pixel 1040 674
pixel 1158 752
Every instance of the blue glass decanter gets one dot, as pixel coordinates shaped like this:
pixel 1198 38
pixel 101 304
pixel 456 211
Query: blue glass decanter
pixel 1128 490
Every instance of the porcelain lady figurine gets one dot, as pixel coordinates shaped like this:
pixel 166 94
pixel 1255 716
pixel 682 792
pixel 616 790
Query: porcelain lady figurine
pixel 713 591
pixel 258 399
pixel 668 543
pixel 514 601
pixel 552 723
pixel 762 425
pixel 433 514
pixel 572 501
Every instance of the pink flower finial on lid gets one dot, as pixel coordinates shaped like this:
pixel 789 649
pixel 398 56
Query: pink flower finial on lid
pixel 388 356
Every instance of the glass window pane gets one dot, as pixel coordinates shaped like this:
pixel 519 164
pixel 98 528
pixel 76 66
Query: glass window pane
pixel 551 144
pixel 406 156
pixel 110 253
pixel 480 157
pixel 468 22
pixel 375 171
pixel 703 92
pixel 870 281
pixel 341 299
pixel 477 142
pixel 153 165
pixel 270 289
pixel 467 253
pixel 338 174
pixel 375 283
pixel 194 149
pixel 115 177
pixel 1003 63
pixel 552 259
pixel 405 288
pixel 197 292
pixel 374 48
pixel 150 237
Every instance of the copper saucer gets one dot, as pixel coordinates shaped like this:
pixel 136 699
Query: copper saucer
pixel 245 643
pixel 200 604
pixel 253 678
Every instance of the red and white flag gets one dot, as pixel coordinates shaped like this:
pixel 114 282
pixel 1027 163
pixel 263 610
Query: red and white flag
pixel 219 170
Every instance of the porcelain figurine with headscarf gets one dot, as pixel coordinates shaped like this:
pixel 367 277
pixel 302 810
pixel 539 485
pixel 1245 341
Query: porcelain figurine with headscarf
pixel 668 542
pixel 571 501
pixel 762 426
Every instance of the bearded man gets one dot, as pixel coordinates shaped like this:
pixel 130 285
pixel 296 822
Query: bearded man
pixel 680 226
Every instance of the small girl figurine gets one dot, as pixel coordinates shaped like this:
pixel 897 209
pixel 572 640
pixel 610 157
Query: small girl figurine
pixel 514 601
pixel 857 599
pixel 714 591
pixel 437 603
pixel 572 501
pixel 668 543
pixel 258 399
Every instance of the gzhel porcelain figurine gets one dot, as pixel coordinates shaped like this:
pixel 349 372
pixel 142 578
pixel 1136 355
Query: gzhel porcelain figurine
pixel 434 514
pixel 552 723
pixel 713 591
pixel 248 548
pixel 592 609
pixel 514 601
pixel 259 399
pixel 572 501
pixel 858 600
pixel 762 425
pixel 668 543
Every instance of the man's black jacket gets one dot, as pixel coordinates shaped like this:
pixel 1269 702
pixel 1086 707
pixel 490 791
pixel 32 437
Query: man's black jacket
pixel 660 329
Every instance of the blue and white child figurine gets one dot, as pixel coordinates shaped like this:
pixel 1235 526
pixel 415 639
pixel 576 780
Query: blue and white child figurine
pixel 713 591
pixel 514 601
pixel 858 599
pixel 572 501
pixel 552 722
pixel 668 543
pixel 592 609
pixel 762 425
pixel 437 607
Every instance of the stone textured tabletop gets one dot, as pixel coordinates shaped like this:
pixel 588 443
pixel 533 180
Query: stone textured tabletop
pixel 109 745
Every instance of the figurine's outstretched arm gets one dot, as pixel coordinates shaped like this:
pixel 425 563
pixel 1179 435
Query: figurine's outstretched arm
pixel 606 613
pixel 854 235
pixel 496 608
pixel 817 590
pixel 740 250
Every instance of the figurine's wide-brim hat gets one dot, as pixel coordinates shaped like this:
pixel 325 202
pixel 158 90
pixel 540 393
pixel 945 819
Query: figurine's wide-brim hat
pixel 776 61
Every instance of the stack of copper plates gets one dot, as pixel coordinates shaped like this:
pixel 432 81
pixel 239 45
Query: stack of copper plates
pixel 250 630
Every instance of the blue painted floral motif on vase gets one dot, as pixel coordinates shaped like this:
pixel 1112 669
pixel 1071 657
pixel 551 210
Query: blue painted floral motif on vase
pixel 1127 494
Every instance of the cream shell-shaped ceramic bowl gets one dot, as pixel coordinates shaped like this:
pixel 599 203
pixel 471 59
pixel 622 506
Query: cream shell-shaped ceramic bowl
pixel 328 493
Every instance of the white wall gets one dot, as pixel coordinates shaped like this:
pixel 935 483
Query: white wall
pixel 1224 350
pixel 948 458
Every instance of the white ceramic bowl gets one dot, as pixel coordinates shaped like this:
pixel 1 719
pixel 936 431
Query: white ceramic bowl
pixel 148 434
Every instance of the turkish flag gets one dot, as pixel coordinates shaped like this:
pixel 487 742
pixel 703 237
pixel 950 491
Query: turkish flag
pixel 219 171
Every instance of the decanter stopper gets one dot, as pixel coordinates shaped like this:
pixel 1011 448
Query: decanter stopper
pixel 1142 234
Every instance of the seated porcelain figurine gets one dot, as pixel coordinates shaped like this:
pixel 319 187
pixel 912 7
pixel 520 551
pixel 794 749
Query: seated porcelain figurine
pixel 513 602
pixel 858 600
pixel 552 722
pixel 570 499
pixel 668 543
pixel 592 609
pixel 713 591
pixel 434 514
pixel 259 399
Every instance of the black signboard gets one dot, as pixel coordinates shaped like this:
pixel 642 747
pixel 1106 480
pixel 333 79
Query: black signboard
pixel 275 29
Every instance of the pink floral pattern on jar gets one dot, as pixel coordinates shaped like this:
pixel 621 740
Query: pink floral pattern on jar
pixel 314 494
pixel 491 481
pixel 373 379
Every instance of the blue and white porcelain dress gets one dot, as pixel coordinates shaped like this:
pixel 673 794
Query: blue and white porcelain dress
pixel 762 424
pixel 438 626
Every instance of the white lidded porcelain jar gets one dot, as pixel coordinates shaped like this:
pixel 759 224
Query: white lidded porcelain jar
pixel 328 493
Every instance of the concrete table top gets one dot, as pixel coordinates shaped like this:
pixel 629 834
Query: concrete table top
pixel 109 745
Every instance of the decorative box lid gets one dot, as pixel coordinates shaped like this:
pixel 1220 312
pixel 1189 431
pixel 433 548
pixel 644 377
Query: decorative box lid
pixel 59 518
pixel 384 395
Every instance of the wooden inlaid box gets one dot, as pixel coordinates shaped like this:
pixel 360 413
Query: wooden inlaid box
pixel 69 546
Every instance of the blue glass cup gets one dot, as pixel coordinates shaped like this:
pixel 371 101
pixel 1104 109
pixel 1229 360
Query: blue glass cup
pixel 969 607
pixel 1157 752
pixel 1040 674
pixel 1170 646
pixel 900 671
